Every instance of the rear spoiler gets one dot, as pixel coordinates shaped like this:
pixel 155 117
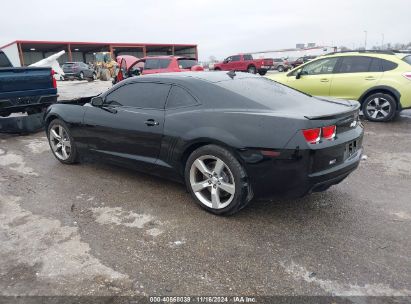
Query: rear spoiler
pixel 352 107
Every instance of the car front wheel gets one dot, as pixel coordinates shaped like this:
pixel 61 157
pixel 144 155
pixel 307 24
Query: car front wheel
pixel 251 69
pixel 217 181
pixel 379 107
pixel 61 142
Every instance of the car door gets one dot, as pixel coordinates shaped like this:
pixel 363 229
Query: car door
pixel 236 63
pixel 128 128
pixel 355 75
pixel 314 77
pixel 225 66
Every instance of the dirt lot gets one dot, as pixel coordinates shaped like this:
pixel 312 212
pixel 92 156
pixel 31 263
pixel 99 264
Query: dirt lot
pixel 95 229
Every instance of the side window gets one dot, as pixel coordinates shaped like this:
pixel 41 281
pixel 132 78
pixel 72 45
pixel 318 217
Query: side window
pixel 375 65
pixel 4 61
pixel 236 58
pixel 355 64
pixel 322 66
pixel 388 65
pixel 179 97
pixel 139 95
pixel 248 57
pixel 229 59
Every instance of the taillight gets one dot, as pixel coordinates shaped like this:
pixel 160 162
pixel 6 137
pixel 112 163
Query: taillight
pixel 312 136
pixel 407 75
pixel 54 82
pixel 329 132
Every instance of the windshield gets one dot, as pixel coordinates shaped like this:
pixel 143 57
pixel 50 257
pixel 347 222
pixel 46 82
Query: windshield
pixel 186 63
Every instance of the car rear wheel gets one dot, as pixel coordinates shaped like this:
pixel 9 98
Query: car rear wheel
pixel 379 107
pixel 217 181
pixel 251 69
pixel 262 73
pixel 61 142
pixel 81 76
pixel 280 68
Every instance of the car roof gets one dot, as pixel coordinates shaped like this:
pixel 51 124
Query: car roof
pixel 364 54
pixel 211 76
pixel 166 57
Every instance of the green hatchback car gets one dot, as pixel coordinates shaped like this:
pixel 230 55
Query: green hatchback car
pixel 379 80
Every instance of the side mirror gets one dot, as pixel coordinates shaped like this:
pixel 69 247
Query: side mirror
pixel 97 101
pixel 298 75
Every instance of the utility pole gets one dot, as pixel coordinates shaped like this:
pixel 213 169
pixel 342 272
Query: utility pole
pixel 382 41
pixel 365 42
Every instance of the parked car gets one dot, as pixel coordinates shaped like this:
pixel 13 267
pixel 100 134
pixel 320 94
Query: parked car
pixel 301 60
pixel 228 136
pixel 154 65
pixel 25 89
pixel 380 81
pixel 280 65
pixel 78 70
pixel 245 63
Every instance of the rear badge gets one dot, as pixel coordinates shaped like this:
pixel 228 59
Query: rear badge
pixel 333 161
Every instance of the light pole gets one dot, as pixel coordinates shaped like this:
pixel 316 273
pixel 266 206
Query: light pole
pixel 382 41
pixel 365 42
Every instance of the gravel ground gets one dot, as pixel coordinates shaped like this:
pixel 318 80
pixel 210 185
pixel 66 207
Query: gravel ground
pixel 95 229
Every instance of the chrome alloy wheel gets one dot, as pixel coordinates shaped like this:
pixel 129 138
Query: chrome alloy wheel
pixel 212 182
pixel 60 142
pixel 378 108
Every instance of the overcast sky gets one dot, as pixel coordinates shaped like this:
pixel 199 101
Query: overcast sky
pixel 219 27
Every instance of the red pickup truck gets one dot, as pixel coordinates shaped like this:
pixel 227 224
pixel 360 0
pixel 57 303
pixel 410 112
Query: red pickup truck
pixel 245 63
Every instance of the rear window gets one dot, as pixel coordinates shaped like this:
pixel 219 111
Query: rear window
pixel 4 61
pixel 407 59
pixel 186 63
pixel 154 64
pixel 262 90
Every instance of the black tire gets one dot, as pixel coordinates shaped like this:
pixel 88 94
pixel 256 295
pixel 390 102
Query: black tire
pixel 251 69
pixel 379 107
pixel 243 192
pixel 217 69
pixel 262 73
pixel 73 157
pixel 280 68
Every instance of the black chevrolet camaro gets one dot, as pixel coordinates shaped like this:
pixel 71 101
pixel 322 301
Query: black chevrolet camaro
pixel 229 137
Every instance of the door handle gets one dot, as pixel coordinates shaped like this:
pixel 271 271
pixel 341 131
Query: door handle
pixel 151 122
pixel 370 78
pixel 324 80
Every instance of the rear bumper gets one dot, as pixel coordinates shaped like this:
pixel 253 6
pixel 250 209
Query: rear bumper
pixel 291 177
pixel 23 104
